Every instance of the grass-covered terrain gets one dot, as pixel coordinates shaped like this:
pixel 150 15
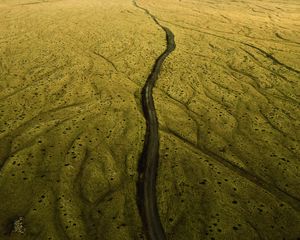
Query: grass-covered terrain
pixel 70 118
pixel 72 127
pixel 228 105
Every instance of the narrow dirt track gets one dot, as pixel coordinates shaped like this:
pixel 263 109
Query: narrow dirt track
pixel 148 164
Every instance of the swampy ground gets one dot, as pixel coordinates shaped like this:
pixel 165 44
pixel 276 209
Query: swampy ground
pixel 72 127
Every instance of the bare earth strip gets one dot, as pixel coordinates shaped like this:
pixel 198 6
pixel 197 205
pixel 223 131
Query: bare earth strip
pixel 148 165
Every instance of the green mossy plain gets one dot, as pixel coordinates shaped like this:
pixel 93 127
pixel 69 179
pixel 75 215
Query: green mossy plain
pixel 71 123
pixel 228 105
pixel 72 129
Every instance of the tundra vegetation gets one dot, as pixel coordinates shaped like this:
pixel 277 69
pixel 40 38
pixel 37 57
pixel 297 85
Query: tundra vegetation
pixel 72 127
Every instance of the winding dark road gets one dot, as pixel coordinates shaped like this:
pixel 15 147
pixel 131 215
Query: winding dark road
pixel 148 164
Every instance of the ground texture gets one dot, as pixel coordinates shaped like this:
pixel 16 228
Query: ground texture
pixel 72 127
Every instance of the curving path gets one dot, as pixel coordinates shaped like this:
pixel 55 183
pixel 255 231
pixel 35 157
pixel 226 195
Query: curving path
pixel 149 161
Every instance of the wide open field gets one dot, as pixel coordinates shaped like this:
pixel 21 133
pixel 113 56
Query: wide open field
pixel 72 126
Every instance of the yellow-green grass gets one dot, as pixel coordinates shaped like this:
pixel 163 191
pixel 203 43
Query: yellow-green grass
pixel 70 118
pixel 228 107
pixel 71 126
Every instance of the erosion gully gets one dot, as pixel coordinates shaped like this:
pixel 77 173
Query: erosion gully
pixel 148 164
